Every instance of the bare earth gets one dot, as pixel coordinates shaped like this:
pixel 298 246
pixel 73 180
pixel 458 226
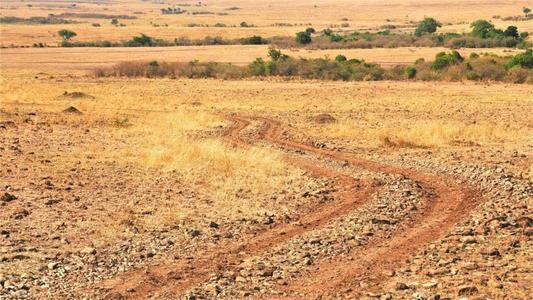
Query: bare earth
pixel 103 209
pixel 266 188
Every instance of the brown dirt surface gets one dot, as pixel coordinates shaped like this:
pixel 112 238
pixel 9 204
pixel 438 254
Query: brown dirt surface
pixel 202 189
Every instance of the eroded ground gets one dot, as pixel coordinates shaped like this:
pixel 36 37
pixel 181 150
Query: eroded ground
pixel 174 188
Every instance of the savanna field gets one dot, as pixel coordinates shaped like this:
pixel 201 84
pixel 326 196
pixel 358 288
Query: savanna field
pixel 276 150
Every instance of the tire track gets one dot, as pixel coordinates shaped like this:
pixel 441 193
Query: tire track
pixel 448 204
pixel 176 278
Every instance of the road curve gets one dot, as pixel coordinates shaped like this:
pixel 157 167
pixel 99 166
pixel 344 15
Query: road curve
pixel 447 204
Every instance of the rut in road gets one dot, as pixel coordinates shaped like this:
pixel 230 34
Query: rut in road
pixel 176 278
pixel 447 204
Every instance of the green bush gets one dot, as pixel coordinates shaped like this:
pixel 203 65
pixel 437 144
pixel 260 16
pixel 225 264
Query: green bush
pixel 340 58
pixel 471 75
pixel 428 25
pixel 303 38
pixel 254 40
pixel 66 34
pixel 410 72
pixel 443 60
pixel 524 60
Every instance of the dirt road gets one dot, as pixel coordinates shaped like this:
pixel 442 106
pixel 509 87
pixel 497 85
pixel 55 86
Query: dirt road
pixel 445 205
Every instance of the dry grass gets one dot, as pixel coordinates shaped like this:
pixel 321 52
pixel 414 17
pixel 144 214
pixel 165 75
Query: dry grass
pixel 179 134
pixel 324 13
pixel 75 59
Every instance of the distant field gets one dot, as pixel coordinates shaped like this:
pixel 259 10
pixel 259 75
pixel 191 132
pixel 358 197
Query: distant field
pixel 263 15
pixel 77 59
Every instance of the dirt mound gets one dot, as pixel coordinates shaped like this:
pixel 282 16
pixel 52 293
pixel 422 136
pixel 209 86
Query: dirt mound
pixel 76 95
pixel 324 119
pixel 72 110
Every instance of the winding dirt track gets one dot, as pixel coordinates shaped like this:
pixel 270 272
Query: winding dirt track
pixel 446 205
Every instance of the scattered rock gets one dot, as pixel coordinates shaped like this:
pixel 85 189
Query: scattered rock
pixel 7 197
pixel 72 110
pixel 400 286
pixel 20 214
pixel 467 291
pixel 88 250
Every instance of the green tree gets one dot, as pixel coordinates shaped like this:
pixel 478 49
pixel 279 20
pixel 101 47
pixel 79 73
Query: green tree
pixel 511 31
pixel 114 21
pixel 66 34
pixel 310 30
pixel 526 10
pixel 481 28
pixel 303 38
pixel 428 25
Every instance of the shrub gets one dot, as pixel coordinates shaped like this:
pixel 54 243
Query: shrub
pixel 310 30
pixel 340 58
pixel 274 54
pixel 66 34
pixel 481 28
pixel 428 25
pixel 524 60
pixel 140 41
pixel 303 38
pixel 254 40
pixel 471 75
pixel 443 60
pixel 518 75
pixel 511 31
pixel 410 72
pixel 258 67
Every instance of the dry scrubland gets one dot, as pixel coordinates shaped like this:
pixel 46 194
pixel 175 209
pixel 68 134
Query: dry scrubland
pixel 147 175
pixel 117 188
pixel 75 60
pixel 368 15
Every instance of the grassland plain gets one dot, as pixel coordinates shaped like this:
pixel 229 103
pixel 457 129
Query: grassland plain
pixel 75 60
pixel 152 180
pixel 274 187
pixel 267 18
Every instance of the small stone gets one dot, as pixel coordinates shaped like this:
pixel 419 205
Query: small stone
pixel 386 297
pixel 429 285
pixel 491 252
pixel 195 233
pixel 400 286
pixel 20 214
pixel 494 284
pixel 213 289
pixel 240 279
pixel 213 225
pixel 419 296
pixel 467 291
pixel 469 240
pixel 7 197
pixel 52 265
pixel 88 250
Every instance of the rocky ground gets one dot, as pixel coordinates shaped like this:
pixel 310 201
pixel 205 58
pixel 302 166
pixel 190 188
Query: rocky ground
pixel 78 225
